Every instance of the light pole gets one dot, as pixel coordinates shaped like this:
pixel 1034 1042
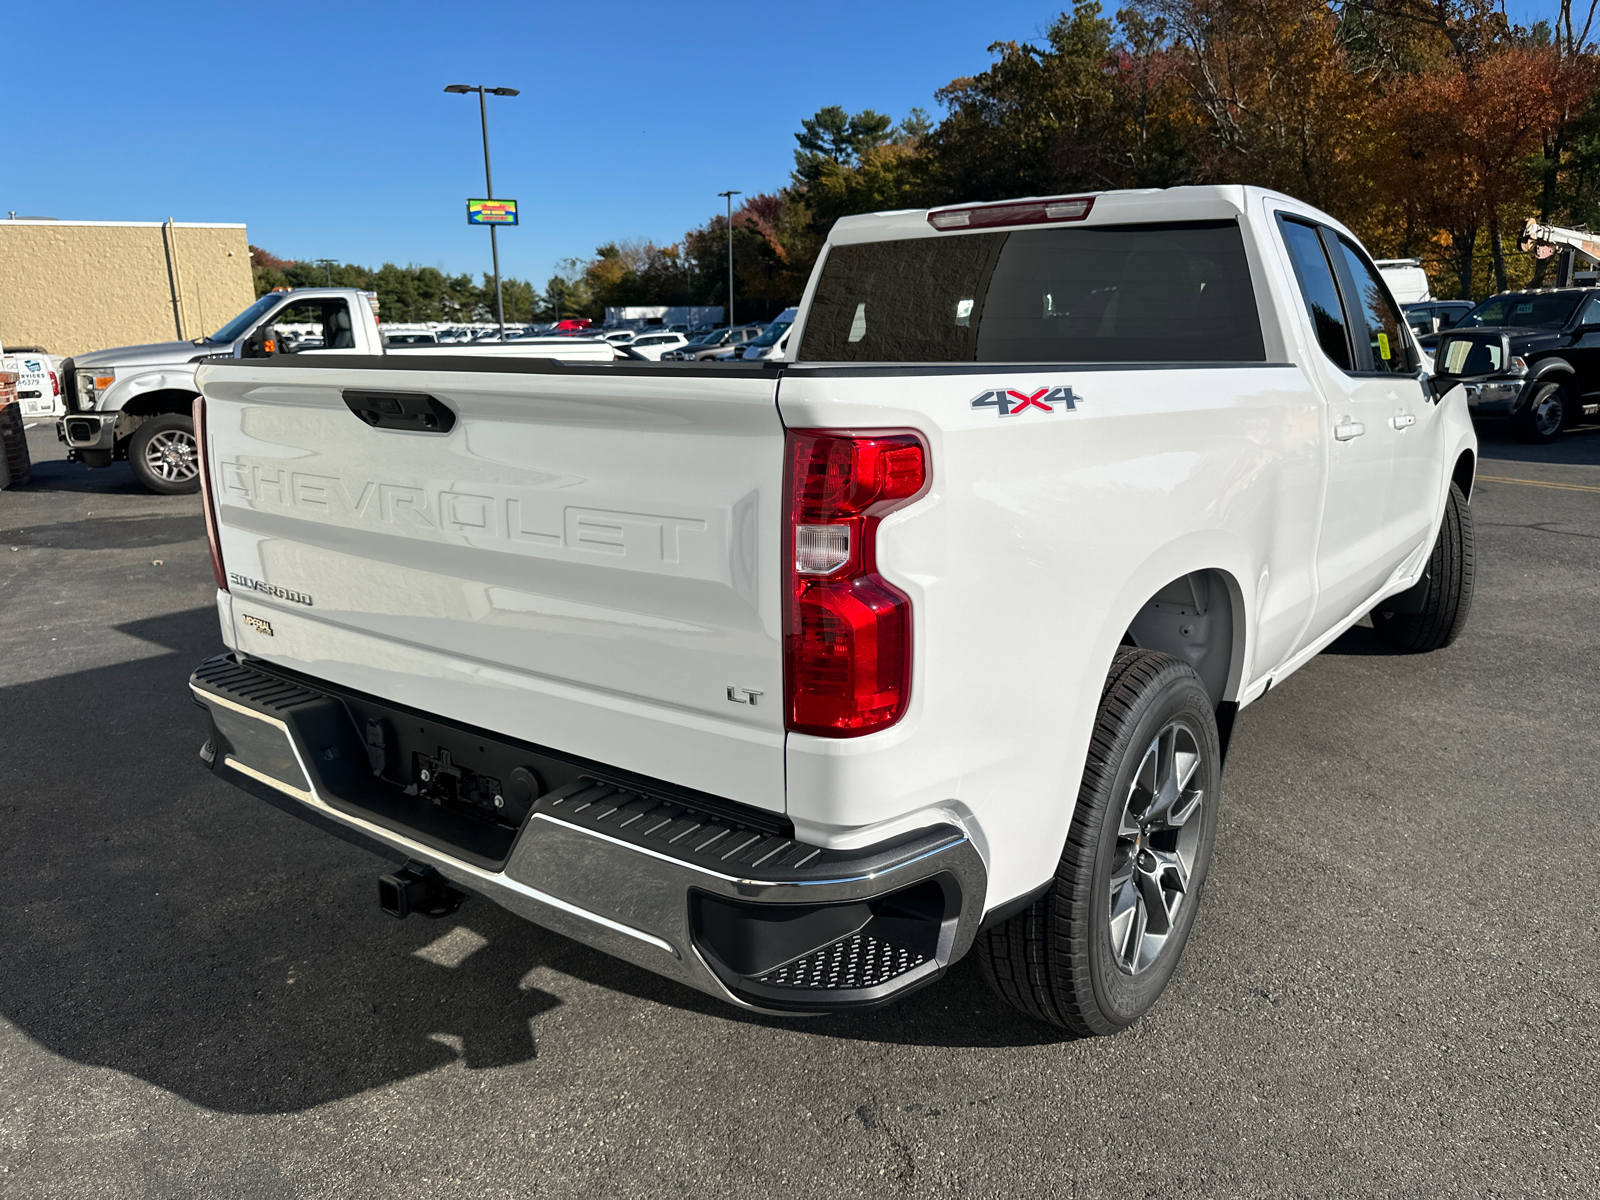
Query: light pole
pixel 462 89
pixel 327 268
pixel 730 196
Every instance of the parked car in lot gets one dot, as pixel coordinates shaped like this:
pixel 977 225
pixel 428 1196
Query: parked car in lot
pixel 799 680
pixel 653 346
pixel 715 342
pixel 410 339
pixel 1434 317
pixel 1528 359
pixel 136 402
pixel 770 343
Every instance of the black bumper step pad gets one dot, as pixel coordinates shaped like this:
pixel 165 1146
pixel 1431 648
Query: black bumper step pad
pixel 253 689
pixel 857 961
pixel 709 841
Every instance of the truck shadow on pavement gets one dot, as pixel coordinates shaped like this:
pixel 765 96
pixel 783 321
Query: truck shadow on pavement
pixel 59 475
pixel 109 533
pixel 155 921
pixel 1578 446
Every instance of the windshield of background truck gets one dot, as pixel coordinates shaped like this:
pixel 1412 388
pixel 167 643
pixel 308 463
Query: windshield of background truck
pixel 1552 310
pixel 245 319
pixel 1171 292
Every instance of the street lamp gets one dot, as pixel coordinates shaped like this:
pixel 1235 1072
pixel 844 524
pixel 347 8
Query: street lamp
pixel 461 89
pixel 327 268
pixel 730 196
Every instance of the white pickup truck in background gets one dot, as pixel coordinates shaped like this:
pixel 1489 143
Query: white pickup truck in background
pixel 798 680
pixel 135 402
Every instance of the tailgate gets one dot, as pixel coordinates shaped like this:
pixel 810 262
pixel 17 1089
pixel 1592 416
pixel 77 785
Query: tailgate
pixel 586 559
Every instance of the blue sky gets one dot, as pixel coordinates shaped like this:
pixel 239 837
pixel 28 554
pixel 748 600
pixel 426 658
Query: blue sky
pixel 324 126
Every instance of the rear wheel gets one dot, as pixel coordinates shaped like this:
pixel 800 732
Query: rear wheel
pixel 1447 598
pixel 165 456
pixel 1095 952
pixel 1546 415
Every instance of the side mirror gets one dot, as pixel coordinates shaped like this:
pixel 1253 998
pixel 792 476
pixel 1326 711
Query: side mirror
pixel 263 343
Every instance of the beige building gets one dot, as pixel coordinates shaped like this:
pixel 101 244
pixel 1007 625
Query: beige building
pixel 70 287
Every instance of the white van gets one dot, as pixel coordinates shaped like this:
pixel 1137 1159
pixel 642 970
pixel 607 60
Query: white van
pixel 38 382
pixel 1406 279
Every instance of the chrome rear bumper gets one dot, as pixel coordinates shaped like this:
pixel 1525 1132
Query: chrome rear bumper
pixel 734 907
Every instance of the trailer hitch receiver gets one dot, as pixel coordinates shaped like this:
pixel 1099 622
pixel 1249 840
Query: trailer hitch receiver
pixel 418 888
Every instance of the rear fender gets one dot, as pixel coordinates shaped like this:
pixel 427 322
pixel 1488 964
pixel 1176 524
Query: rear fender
pixel 1213 552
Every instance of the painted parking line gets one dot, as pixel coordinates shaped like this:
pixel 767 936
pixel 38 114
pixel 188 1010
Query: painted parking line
pixel 1560 487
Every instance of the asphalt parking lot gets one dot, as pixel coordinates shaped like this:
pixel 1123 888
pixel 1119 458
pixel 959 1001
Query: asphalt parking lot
pixel 1392 989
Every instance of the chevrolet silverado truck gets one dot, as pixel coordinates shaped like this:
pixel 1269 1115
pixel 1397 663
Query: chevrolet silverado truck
pixel 798 680
pixel 136 402
pixel 1527 360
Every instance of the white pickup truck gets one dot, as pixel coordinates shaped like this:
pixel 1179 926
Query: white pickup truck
pixel 798 680
pixel 135 402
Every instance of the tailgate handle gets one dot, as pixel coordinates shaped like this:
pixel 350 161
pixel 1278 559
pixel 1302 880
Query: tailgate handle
pixel 414 411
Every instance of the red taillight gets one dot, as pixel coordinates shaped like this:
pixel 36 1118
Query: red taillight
pixel 1019 212
pixel 847 644
pixel 55 384
pixel 203 450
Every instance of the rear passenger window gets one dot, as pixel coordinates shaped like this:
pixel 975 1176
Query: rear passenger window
pixel 1176 292
pixel 1315 276
pixel 1374 309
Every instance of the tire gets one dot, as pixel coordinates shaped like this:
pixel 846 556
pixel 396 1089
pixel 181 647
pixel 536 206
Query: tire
pixel 1448 600
pixel 1546 416
pixel 165 456
pixel 1078 957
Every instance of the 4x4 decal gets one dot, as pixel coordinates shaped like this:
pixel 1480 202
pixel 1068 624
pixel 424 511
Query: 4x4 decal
pixel 1008 402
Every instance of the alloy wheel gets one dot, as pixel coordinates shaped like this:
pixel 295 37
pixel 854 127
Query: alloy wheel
pixel 173 456
pixel 1157 839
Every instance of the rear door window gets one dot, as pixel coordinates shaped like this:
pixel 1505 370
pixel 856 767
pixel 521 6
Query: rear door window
pixel 1315 275
pixel 1177 292
pixel 1374 311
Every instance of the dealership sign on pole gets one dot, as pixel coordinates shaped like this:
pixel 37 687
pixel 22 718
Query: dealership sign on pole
pixel 491 212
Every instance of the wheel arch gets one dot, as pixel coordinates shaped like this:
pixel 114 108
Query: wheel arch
pixel 1546 368
pixel 157 403
pixel 1193 586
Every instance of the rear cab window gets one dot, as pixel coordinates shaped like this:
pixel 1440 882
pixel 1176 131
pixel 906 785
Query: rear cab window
pixel 1175 292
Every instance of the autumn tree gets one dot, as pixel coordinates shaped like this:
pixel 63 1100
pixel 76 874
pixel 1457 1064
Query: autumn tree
pixel 1464 142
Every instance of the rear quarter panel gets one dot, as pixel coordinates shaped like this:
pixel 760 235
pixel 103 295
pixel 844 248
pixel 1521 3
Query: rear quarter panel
pixel 1041 535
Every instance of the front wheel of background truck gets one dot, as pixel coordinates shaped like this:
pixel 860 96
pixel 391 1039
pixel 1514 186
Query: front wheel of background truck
pixel 165 456
pixel 1095 951
pixel 1546 415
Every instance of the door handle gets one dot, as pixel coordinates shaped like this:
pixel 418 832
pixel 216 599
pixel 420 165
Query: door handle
pixel 1347 430
pixel 1402 420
